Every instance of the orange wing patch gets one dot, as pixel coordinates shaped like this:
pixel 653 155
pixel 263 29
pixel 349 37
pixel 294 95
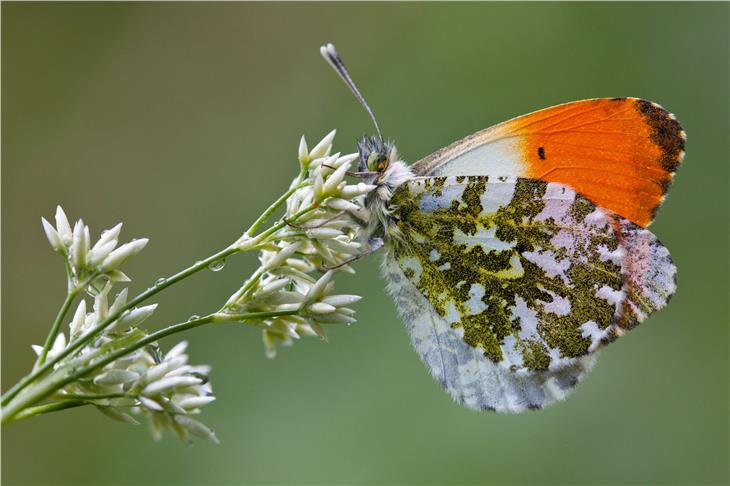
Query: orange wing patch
pixel 620 153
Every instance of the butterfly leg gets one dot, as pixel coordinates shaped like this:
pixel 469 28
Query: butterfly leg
pixel 315 226
pixel 353 174
pixel 375 244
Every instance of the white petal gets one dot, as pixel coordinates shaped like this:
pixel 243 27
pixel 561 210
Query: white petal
pixel 341 204
pixel 151 404
pixel 52 235
pixel 330 185
pixel 321 308
pixel 119 301
pixel 79 246
pixel 316 290
pixel 79 319
pixel 341 300
pixel 334 318
pixel 195 402
pixel 58 345
pixel 273 286
pixel 349 192
pixel 116 377
pixel 116 414
pixel 127 250
pixel 196 428
pixel 318 187
pixel 323 147
pixel 62 227
pixel 165 384
pixel 157 371
pixel 109 235
pixel 347 159
pixel 303 151
pixel 135 316
pixel 99 253
pixel 282 255
pixel 176 350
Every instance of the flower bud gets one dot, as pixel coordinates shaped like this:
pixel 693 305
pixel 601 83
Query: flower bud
pixel 127 250
pixel 53 238
pixel 323 147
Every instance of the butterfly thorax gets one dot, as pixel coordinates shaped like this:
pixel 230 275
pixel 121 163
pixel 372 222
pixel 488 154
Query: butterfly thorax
pixel 380 166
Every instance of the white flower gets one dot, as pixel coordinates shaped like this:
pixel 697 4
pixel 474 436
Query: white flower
pixel 300 260
pixel 164 388
pixel 98 263
pixel 324 147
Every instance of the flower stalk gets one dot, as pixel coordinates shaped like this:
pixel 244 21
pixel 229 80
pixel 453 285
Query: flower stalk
pixel 111 362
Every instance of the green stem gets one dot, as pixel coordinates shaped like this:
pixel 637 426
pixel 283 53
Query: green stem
pixel 51 338
pixel 70 296
pixel 47 408
pixel 91 398
pixel 271 209
pixel 44 390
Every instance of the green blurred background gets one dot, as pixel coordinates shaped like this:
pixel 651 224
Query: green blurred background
pixel 182 120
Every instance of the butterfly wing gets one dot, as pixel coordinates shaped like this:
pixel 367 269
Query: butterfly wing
pixel 620 153
pixel 509 286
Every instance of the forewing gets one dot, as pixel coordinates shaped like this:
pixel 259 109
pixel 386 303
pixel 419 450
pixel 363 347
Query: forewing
pixel 527 277
pixel 620 153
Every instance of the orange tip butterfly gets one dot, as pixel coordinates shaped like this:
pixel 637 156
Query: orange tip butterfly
pixel 517 253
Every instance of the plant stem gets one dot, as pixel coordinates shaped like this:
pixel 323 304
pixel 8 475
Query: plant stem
pixel 90 398
pixel 51 338
pixel 48 407
pixel 45 390
pixel 271 209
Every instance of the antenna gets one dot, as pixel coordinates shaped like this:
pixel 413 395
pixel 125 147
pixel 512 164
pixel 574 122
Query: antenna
pixel 333 59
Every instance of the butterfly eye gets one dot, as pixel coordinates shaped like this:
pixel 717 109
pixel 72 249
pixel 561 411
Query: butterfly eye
pixel 377 162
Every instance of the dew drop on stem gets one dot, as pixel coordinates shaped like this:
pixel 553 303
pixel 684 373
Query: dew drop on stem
pixel 217 265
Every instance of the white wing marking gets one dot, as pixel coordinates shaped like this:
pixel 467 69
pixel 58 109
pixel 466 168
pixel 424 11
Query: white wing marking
pixel 469 377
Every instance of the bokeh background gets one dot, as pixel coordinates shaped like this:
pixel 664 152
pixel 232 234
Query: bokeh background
pixel 183 120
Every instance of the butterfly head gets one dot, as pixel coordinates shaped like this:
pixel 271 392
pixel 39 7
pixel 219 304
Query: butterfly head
pixel 375 155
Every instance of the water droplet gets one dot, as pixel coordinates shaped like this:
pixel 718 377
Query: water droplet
pixel 217 265
pixel 193 317
pixel 160 281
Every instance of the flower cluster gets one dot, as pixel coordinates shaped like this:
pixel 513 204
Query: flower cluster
pixel 110 362
pixel 164 388
pixel 98 263
pixel 318 235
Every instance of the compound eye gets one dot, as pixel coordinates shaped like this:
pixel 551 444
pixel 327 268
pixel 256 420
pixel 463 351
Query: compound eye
pixel 373 161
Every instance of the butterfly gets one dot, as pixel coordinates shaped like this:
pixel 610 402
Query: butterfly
pixel 516 254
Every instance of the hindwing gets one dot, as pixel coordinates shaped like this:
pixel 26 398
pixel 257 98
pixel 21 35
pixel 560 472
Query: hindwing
pixel 526 278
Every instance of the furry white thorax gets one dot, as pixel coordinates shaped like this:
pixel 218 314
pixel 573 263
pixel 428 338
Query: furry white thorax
pixel 395 174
